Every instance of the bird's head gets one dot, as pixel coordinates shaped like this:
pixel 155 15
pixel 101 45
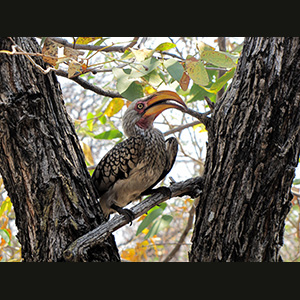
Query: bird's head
pixel 141 113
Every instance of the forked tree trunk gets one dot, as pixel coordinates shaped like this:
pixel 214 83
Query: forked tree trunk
pixel 253 149
pixel 42 163
pixel 252 153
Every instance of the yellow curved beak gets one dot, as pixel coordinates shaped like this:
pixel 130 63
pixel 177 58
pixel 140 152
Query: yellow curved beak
pixel 163 100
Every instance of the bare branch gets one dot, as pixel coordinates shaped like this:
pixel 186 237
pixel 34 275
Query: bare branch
pixel 181 127
pixel 111 48
pixel 222 47
pixel 209 103
pixel 85 84
pixel 78 249
pixel 202 117
pixel 172 55
pixel 133 43
pixel 89 47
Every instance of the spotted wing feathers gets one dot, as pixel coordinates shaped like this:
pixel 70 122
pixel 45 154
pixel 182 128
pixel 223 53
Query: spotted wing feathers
pixel 117 163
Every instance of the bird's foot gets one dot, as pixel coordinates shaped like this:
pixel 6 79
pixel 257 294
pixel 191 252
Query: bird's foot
pixel 127 213
pixel 162 190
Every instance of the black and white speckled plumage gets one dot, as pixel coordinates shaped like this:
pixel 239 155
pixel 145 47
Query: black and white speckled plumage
pixel 134 166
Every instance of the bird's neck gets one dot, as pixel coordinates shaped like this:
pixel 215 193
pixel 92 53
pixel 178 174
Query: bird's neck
pixel 149 131
pixel 143 131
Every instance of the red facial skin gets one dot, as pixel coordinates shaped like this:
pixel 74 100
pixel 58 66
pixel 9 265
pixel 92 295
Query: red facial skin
pixel 144 122
pixel 149 109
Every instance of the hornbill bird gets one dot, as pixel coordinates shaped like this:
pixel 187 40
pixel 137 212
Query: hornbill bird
pixel 134 166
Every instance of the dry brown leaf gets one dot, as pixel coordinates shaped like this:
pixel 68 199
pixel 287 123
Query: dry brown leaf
pixel 74 68
pixel 50 51
pixel 184 81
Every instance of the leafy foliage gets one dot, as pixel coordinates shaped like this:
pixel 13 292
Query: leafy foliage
pixel 141 68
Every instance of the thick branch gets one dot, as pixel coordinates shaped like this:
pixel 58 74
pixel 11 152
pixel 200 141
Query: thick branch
pixel 78 249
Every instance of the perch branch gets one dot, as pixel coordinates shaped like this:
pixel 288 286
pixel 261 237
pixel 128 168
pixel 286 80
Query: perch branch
pixel 77 250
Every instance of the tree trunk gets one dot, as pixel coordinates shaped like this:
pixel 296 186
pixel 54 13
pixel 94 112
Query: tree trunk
pixel 252 153
pixel 42 164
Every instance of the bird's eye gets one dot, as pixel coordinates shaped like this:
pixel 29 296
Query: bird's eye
pixel 140 106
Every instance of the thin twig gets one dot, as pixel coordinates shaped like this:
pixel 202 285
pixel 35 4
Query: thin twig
pixel 183 235
pixel 78 249
pixel 181 127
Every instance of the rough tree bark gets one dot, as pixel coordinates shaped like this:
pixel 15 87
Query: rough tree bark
pixel 42 163
pixel 252 152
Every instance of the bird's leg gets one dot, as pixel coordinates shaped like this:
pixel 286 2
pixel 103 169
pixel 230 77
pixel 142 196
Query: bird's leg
pixel 127 213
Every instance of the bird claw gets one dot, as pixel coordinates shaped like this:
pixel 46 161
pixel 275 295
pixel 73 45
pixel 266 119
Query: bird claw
pixel 195 193
pixel 127 213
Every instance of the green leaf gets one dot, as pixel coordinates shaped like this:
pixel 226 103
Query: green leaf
pixel 102 119
pixel 295 182
pixel 196 71
pixel 153 78
pixel 149 219
pixel 5 235
pixel 220 82
pixel 159 225
pixel 144 67
pixel 198 92
pixel 174 68
pixel 90 119
pixel 162 206
pixel 238 48
pixel 127 54
pixel 219 59
pixel 108 135
pixel 134 91
pixel 165 46
pixel 123 80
